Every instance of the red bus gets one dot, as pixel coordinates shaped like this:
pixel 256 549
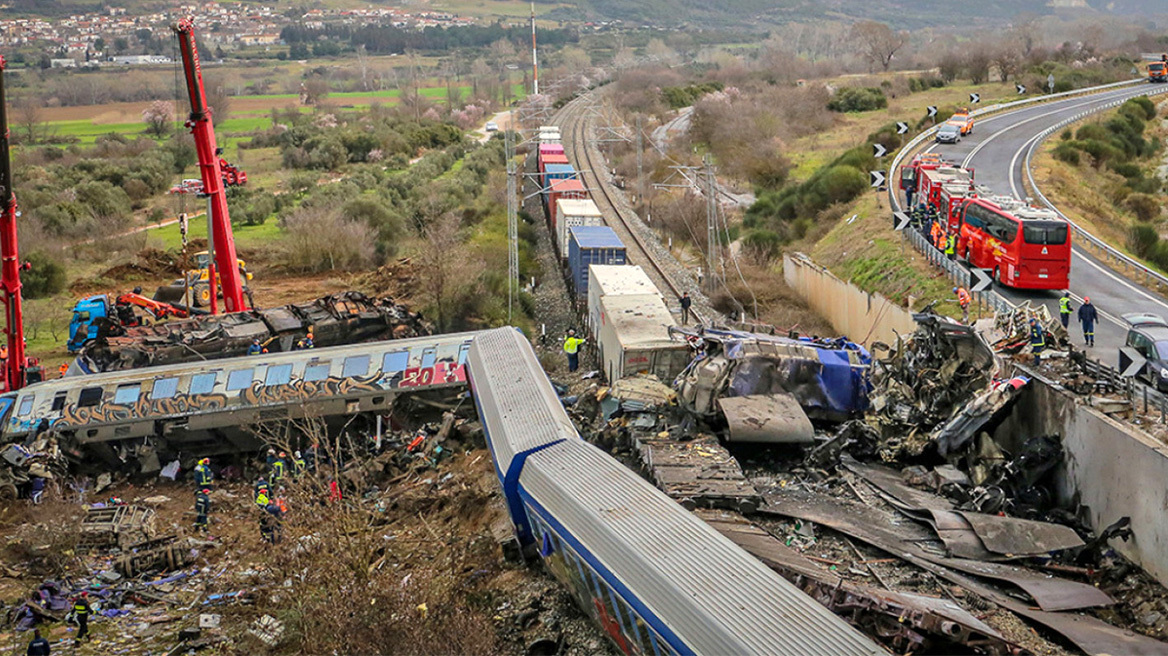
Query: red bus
pixel 1024 247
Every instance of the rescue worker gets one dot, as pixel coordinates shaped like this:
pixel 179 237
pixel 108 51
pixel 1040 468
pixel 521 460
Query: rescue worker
pixel 910 188
pixel 685 301
pixel 308 340
pixel 38 646
pixel 298 465
pixel 256 348
pixel 268 528
pixel 261 484
pixel 963 299
pixel 310 456
pixel 279 467
pixel 951 246
pixel 262 498
pixel 1037 340
pixel 81 612
pixel 63 369
pixel 1065 309
pixel 202 509
pixel 935 235
pixel 1088 316
pixel 203 474
pixel 572 349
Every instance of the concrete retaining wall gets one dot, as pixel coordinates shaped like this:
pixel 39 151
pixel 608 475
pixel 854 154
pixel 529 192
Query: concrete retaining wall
pixel 861 316
pixel 1112 469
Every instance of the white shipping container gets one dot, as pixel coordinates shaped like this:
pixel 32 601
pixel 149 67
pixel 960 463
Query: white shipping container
pixel 633 337
pixel 572 212
pixel 616 280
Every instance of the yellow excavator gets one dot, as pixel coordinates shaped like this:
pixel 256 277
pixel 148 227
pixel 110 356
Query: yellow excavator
pixel 198 281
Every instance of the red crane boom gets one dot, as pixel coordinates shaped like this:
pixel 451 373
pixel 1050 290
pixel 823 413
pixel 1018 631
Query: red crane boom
pixel 16 364
pixel 199 122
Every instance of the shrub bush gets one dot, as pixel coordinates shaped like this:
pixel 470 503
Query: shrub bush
pixel 1144 206
pixel 1065 152
pixel 858 99
pixel 46 276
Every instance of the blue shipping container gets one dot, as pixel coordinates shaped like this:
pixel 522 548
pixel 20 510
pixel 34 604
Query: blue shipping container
pixel 558 172
pixel 588 245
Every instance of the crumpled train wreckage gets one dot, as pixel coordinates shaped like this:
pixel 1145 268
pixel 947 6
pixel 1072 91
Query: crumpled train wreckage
pixel 343 318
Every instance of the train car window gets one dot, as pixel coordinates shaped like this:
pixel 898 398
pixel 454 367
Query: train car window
pixel 89 397
pixel 280 374
pixel 462 353
pixel 164 388
pixel 203 383
pixel 6 403
pixel 356 365
pixel 316 371
pixel 395 362
pixel 239 379
pixel 59 401
pixel 429 356
pixel 26 405
pixel 127 394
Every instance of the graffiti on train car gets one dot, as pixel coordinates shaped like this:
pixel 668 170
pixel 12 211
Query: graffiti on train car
pixel 442 373
pixel 107 413
pixel 300 390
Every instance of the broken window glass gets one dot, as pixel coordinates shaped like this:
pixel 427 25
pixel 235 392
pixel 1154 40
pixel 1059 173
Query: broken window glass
pixel 89 397
pixel 25 405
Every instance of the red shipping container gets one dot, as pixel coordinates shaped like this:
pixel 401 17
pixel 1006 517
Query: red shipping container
pixel 563 189
pixel 553 158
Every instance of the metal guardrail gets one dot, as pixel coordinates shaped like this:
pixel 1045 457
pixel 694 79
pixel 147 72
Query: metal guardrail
pixel 1111 254
pixel 991 299
pixel 953 270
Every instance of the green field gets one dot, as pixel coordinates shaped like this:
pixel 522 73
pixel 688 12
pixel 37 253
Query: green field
pixel 87 132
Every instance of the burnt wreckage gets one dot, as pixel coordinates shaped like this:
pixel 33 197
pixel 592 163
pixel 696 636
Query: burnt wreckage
pixel 334 320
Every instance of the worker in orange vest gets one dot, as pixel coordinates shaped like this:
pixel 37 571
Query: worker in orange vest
pixel 63 369
pixel 937 234
pixel 963 299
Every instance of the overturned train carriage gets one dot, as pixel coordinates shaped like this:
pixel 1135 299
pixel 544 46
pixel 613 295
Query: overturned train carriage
pixel 343 318
pixel 133 420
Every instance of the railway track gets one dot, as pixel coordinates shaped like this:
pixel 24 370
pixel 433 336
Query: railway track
pixel 642 247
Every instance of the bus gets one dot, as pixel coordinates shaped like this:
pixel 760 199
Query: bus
pixel 1024 247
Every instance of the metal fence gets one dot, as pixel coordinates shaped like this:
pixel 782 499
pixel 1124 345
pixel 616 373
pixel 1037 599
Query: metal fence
pixel 955 271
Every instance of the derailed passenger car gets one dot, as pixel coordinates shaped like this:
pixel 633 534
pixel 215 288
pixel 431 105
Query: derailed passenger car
pixel 827 379
pixel 334 320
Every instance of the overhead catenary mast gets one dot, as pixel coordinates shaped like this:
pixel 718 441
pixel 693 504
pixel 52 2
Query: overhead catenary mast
pixel 534 60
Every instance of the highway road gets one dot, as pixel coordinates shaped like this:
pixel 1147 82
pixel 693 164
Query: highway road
pixel 997 152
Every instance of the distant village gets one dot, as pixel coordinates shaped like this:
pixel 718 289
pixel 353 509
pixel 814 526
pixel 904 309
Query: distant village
pixel 112 37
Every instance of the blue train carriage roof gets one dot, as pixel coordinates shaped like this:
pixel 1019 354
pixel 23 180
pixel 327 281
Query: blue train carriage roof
pixel 668 564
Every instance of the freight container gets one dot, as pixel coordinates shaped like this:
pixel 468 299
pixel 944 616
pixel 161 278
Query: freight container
pixel 633 337
pixel 552 158
pixel 591 245
pixel 551 149
pixel 572 212
pixel 606 280
pixel 561 189
pixel 557 172
pixel 549 134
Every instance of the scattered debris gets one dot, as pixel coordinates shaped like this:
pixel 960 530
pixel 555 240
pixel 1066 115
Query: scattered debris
pixel 268 629
pixel 116 526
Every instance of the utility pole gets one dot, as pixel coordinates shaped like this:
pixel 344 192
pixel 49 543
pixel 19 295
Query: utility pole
pixel 512 224
pixel 640 164
pixel 713 251
pixel 534 60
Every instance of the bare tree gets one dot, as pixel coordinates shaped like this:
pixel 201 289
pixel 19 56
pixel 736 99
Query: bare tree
pixel 314 90
pixel 977 65
pixel 451 272
pixel 363 65
pixel 1007 59
pixel 30 116
pixel 878 43
pixel 1025 31
pixel 323 239
pixel 217 100
pixel 950 66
